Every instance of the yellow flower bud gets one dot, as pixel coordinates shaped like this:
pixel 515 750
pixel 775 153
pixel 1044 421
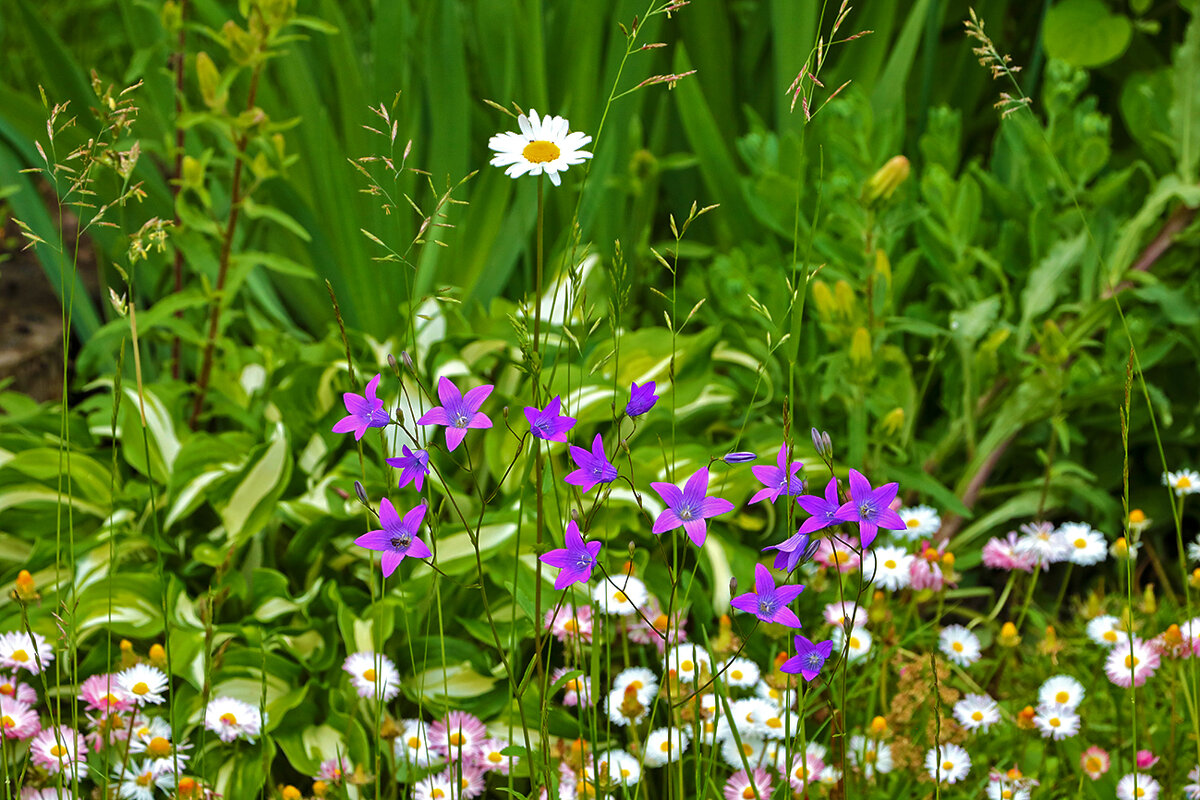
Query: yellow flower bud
pixel 158 656
pixel 1195 579
pixel 845 299
pixel 860 348
pixel 948 560
pixel 291 793
pixel 879 726
pixel 892 422
pixel 1149 601
pixel 320 788
pixel 1137 516
pixel 26 590
pixel 1009 636
pixel 883 267
pixel 823 300
pixel 1120 548
pixel 887 179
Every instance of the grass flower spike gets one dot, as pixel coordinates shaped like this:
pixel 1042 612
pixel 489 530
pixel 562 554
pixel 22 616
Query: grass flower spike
pixel 768 602
pixel 362 412
pixel 398 538
pixel 458 412
pixel 576 560
pixel 545 145
pixel 689 507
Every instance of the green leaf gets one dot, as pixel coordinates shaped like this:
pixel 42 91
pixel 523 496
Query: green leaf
pixel 1046 281
pixel 252 501
pixel 255 211
pixel 1084 33
pixel 1185 112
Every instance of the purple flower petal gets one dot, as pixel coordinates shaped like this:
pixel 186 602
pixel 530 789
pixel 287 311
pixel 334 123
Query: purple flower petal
pixel 448 393
pixel 371 387
pixel 696 530
pixel 454 437
pixel 418 549
pixel 480 420
pixel 747 602
pixel 374 540
pixel 671 494
pixel 668 520
pixel 435 416
pixel 556 558
pixel 389 561
pixel 412 520
pixel 785 616
pixel 345 425
pixel 764 584
pixel 388 516
pixel 696 487
pixel 476 396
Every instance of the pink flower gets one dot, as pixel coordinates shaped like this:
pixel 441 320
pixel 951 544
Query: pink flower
pixel 459 735
pixel 838 553
pixel 641 632
pixel 1146 759
pixel 1128 666
pixel 566 625
pixel 1094 762
pixel 1003 554
pixel 742 785
pixel 18 720
pixel 102 693
pixel 926 571
pixel 11 687
pixel 577 688
pixel 60 750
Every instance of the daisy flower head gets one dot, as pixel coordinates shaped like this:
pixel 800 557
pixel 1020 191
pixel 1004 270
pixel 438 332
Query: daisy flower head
pixel 1003 554
pixel 752 748
pixel 741 673
pixel 1006 786
pixel 858 645
pixel 687 661
pixel 748 786
pixel 641 680
pixel 1136 786
pixel 458 735
pixel 143 684
pixel 926 571
pixel 18 720
pixel 545 146
pixel 1056 722
pixel 841 613
pixel 232 719
pixel 920 522
pixel 154 739
pixel 977 712
pixel 665 745
pixel 622 769
pixel 576 689
pixel 373 674
pixel 139 780
pixel 20 650
pixel 492 759
pixel 620 595
pixel 805 767
pixel 1085 546
pixel 1105 630
pixel 836 552
pixel 948 763
pixel 1061 690
pixel 890 568
pixel 959 645
pixel 870 755
pixel 434 787
pixel 780 698
pixel 1131 666
pixel 1094 762
pixel 469 781
pixel 1192 790
pixel 58 750
pixel 567 622
pixel 1043 544
pixel 1184 481
pixel 657 628
pixel 333 770
pixel 628 706
pixel 10 686
pixel 1193 549
pixel 412 745
pixel 751 716
pixel 104 693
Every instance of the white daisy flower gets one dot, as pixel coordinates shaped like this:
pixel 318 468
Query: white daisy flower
pixel 622 768
pixel 665 745
pixel 948 763
pixel 870 755
pixel 60 750
pixel 1105 630
pixel 644 682
pixel 1061 690
pixel 750 716
pixel 154 739
pixel 920 522
pixel 626 707
pixel 977 712
pixel 232 719
pixel 1085 546
pixel 545 145
pixel 143 684
pixel 959 645
pixel 859 643
pixel 1002 787
pixel 1056 722
pixel 891 566
pixel 139 780
pixel 839 613
pixel 412 745
pixel 1041 542
pixel 373 673
pixel 1193 549
pixel 435 787
pixel 687 661
pixel 621 597
pixel 741 673
pixel 752 748
pixel 1185 481
pixel 1147 787
pixel 780 698
pixel 19 650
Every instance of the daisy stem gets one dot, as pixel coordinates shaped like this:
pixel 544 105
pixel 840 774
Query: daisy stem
pixel 1028 596
pixel 538 457
pixel 1062 590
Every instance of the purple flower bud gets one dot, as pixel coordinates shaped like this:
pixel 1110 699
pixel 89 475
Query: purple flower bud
pixel 361 492
pixel 739 458
pixel 733 584
pixel 392 363
pixel 407 359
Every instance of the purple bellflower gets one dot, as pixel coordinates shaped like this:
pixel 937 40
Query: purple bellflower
pixel 458 412
pixel 364 411
pixel 809 658
pixel 548 424
pixel 870 508
pixel 768 602
pixel 823 510
pixel 777 480
pixel 398 538
pixel 641 399
pixel 414 466
pixel 793 551
pixel 576 560
pixel 594 467
pixel 689 507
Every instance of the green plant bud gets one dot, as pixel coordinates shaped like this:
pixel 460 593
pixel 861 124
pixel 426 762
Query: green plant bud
pixel 210 81
pixel 823 298
pixel 845 299
pixel 892 422
pixel 860 349
pixel 243 46
pixel 171 16
pixel 887 179
pixel 193 173
pixel 883 266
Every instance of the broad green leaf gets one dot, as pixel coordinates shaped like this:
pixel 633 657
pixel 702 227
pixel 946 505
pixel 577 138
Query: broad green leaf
pixel 1085 33
pixel 252 501
pixel 1185 111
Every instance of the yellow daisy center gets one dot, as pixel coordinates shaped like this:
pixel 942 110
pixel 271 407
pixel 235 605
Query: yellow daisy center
pixel 1184 483
pixel 570 626
pixel 890 563
pixel 145 778
pixel 495 757
pixel 854 643
pixel 369 675
pixel 869 756
pixel 20 655
pixel 912 522
pixel 455 739
pixel 1062 697
pixel 977 716
pixel 437 793
pixel 736 674
pixel 159 747
pixel 8 689
pixel 687 665
pixel 1081 543
pixel 1092 764
pixel 540 151
pixel 414 742
pixel 620 597
pixel 1131 661
pixel 774 722
pixel 1055 722
pixel 747 749
pixel 748 792
pixel 665 746
pixel 7 722
pixel 140 688
pixel 947 766
pixel 229 718
pixel 635 685
pixel 58 751
pixel 1140 791
pixel 1109 636
pixel 957 647
pixel 1006 794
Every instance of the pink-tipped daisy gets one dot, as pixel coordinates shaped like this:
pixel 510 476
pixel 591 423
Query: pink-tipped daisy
pixel 20 650
pixel 459 735
pixel 748 786
pixel 11 687
pixel 568 622
pixel 62 750
pixel 232 719
pixel 104 693
pixel 373 675
pixel 18 720
pixel 1094 762
pixel 1130 666
pixel 492 758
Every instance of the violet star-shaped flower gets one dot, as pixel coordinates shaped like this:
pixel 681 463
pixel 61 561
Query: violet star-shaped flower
pixel 793 551
pixel 809 658
pixel 414 466
pixel 870 508
pixel 641 399
pixel 689 507
pixel 458 412
pixel 824 510
pixel 576 560
pixel 364 411
pixel 548 424
pixel 398 539
pixel 594 467
pixel 780 479
pixel 768 602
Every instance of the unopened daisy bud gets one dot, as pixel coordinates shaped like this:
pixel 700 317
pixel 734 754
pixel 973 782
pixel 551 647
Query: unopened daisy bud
pixel 1009 636
pixel 1137 516
pixel 879 726
pixel 931 555
pixel 887 179
pixel 291 793
pixel 860 348
pixel 1173 637
pixel 1120 548
pixel 362 493
pixel 1013 774
pixel 628 568
pixel 320 788
pixel 126 646
pixel 948 560
pixel 187 787
pixel 892 422
pixel 1149 601
pixel 1025 718
pixel 823 300
pixel 1195 579
pixel 25 588
pixel 158 656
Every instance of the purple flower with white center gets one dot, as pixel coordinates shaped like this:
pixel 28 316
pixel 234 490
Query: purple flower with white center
pixel 793 551
pixel 398 538
pixel 414 466
pixel 364 411
pixel 458 412
pixel 768 602
pixel 576 560
pixel 870 508
pixel 823 510
pixel 641 399
pixel 780 479
pixel 809 658
pixel 594 467
pixel 689 507
pixel 548 424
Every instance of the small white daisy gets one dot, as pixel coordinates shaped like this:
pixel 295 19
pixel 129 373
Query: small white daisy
pixel 780 698
pixel 870 755
pixel 977 712
pixel 752 748
pixel 1185 481
pixel 622 768
pixel 687 661
pixel 622 599
pixel 1147 787
pixel 412 745
pixel 839 613
pixel 1193 549
pixel 1061 690
pixel 140 779
pixel 644 682
pixel 948 763
pixel 665 745
pixel 749 715
pixel 373 673
pixel 435 787
pixel 891 566
pixel 741 673
pixel 626 707
pixel 545 145
pixel 1085 546
pixel 920 522
pixel 1105 630
pixel 858 646
pixel 232 719
pixel 19 650
pixel 1042 543
pixel 1056 722
pixel 143 684
pixel 959 645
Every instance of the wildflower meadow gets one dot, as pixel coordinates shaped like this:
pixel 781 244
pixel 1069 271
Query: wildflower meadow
pixel 650 400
